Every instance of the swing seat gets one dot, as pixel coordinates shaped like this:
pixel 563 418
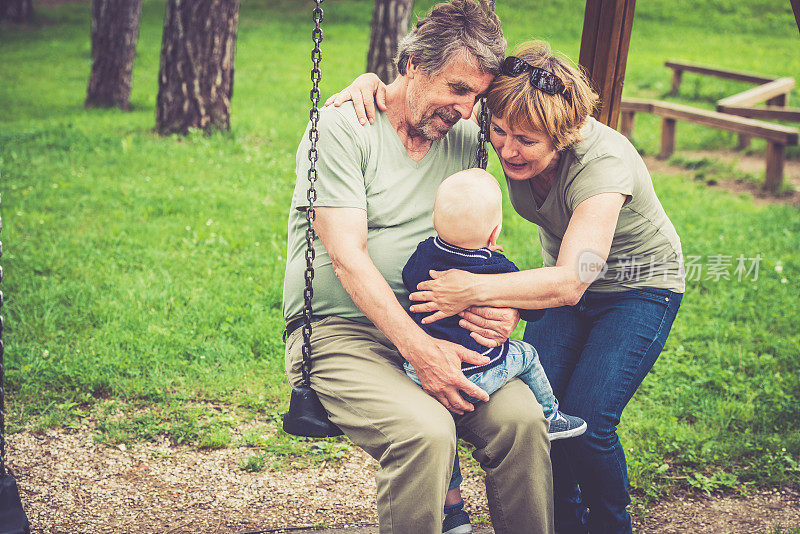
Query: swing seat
pixel 12 516
pixel 307 417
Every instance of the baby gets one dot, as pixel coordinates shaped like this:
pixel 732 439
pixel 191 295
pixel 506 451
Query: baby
pixel 467 217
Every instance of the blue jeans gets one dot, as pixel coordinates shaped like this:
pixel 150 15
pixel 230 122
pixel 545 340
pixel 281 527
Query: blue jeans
pixel 596 354
pixel 522 361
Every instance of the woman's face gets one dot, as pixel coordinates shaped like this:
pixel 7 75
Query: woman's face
pixel 523 153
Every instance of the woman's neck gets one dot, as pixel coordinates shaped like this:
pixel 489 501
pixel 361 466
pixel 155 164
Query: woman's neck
pixel 543 182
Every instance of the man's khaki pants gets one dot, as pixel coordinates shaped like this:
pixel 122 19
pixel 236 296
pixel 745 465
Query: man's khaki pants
pixel 358 375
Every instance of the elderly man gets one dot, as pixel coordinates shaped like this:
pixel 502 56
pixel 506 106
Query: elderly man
pixel 375 197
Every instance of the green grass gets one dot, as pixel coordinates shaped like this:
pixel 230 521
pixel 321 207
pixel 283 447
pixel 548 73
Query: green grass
pixel 178 422
pixel 778 529
pixel 143 275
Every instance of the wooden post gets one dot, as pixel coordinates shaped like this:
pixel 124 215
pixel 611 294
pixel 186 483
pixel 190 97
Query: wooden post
pixel 780 100
pixel 744 142
pixel 677 75
pixel 606 36
pixel 667 137
pixel 776 153
pixel 627 123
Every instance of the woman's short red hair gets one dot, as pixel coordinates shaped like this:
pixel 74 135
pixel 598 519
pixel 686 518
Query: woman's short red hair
pixel 524 107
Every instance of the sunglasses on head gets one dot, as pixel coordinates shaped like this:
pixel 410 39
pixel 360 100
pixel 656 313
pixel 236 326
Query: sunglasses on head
pixel 542 79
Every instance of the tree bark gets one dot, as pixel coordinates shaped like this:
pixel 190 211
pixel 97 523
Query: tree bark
pixel 195 83
pixel 115 30
pixel 389 25
pixel 16 10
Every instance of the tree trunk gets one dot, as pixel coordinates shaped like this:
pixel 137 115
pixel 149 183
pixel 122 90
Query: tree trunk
pixel 389 25
pixel 115 29
pixel 16 10
pixel 195 83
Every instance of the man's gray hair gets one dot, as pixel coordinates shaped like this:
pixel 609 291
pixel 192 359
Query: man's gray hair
pixel 451 28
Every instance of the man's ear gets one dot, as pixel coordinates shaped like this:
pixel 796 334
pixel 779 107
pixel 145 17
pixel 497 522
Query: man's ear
pixel 411 68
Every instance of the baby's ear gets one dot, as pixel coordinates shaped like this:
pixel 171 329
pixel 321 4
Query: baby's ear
pixel 494 236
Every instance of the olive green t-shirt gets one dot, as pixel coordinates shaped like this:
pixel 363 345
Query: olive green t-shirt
pixel 646 250
pixel 366 167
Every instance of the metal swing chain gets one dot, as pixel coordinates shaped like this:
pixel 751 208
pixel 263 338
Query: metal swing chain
pixel 2 379
pixel 483 135
pixel 483 115
pixel 311 195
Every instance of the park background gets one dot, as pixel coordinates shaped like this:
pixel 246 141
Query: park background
pixel 143 273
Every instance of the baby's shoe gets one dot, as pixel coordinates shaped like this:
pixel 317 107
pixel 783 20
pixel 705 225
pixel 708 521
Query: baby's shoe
pixel 565 426
pixel 456 520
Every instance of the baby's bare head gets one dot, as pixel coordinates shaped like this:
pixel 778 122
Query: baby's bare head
pixel 468 208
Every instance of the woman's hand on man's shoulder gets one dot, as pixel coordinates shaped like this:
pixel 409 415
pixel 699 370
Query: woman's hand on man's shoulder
pixel 366 91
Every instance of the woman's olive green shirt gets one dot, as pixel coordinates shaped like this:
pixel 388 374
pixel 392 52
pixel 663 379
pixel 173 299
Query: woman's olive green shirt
pixel 646 249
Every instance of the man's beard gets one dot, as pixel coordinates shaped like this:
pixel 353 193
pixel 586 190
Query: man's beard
pixel 429 128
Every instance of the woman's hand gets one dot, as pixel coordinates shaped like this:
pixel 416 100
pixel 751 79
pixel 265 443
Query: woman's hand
pixel 365 92
pixel 490 327
pixel 447 293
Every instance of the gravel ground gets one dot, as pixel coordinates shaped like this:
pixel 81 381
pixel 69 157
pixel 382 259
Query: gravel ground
pixel 70 484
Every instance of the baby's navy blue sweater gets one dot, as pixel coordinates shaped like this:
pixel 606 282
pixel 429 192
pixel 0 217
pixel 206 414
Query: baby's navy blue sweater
pixel 438 255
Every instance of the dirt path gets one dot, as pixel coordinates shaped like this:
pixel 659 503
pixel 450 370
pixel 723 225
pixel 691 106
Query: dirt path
pixel 70 484
pixel 753 164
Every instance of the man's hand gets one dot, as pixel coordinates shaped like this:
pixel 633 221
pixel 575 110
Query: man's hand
pixel 490 327
pixel 365 92
pixel 438 367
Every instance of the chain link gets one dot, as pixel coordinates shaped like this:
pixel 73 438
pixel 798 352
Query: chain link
pixel 483 116
pixel 2 378
pixel 483 135
pixel 311 195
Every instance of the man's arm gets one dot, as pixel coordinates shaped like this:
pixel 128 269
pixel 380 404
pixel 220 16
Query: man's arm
pixel 343 232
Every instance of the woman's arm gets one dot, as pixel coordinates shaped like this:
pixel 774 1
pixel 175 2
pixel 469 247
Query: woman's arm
pixel 583 253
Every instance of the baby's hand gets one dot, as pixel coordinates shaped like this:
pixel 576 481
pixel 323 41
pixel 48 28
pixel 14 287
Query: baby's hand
pixel 496 248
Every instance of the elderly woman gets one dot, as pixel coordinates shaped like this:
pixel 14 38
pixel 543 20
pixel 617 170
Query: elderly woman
pixel 612 278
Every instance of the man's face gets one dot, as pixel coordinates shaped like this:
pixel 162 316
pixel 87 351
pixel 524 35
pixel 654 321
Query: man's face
pixel 436 102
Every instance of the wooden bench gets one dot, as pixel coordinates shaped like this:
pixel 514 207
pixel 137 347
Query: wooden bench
pixel 772 90
pixel 774 93
pixel 678 68
pixel 776 135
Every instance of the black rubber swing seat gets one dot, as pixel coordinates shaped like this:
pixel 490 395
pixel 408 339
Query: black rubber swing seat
pixel 307 417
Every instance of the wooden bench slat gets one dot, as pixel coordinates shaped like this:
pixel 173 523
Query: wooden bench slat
pixel 764 130
pixel 773 113
pixel 778 87
pixel 639 105
pixel 718 72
